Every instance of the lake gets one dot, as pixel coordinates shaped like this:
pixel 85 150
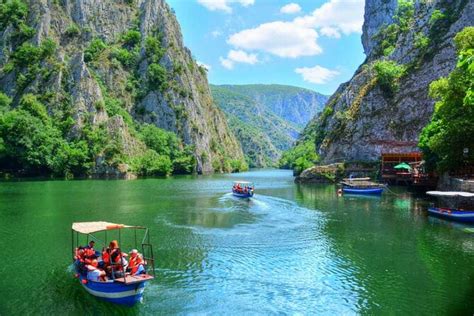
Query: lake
pixel 290 249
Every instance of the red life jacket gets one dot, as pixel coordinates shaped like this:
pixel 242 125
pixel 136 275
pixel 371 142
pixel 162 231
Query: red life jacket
pixel 106 257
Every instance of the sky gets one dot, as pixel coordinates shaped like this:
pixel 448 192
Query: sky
pixel 314 44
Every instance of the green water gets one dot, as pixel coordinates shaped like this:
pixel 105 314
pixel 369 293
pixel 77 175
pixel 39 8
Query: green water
pixel 291 249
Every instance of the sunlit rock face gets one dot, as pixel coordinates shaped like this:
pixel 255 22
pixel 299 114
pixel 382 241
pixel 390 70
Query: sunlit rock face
pixel 361 120
pixel 183 105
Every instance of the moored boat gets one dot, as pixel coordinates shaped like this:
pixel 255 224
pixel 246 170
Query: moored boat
pixel 361 186
pixel 351 190
pixel 460 206
pixel 243 189
pixel 124 289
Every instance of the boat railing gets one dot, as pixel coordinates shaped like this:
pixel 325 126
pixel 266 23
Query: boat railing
pixel 147 251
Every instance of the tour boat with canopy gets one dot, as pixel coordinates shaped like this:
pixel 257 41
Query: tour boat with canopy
pixel 243 189
pixel 460 206
pixel 361 186
pixel 127 289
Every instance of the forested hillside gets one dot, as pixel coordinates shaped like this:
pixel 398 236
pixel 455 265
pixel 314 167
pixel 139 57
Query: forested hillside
pixel 266 119
pixel 100 88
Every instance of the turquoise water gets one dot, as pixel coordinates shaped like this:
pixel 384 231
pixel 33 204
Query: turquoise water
pixel 291 249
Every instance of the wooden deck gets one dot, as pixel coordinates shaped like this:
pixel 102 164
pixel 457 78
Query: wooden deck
pixel 130 279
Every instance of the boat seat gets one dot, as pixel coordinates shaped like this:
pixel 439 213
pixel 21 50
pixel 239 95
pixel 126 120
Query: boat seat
pixel 134 278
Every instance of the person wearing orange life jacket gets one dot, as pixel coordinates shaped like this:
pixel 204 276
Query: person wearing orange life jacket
pixel 116 259
pixel 135 265
pixel 94 273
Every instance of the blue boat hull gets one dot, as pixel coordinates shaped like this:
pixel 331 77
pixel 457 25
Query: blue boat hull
pixel 115 292
pixel 452 214
pixel 376 191
pixel 242 195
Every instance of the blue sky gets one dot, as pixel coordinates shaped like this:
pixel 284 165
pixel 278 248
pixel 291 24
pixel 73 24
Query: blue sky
pixel 308 43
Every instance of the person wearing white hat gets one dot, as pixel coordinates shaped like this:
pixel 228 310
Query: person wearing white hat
pixel 135 265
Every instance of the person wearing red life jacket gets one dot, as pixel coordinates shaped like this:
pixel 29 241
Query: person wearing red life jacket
pixel 136 263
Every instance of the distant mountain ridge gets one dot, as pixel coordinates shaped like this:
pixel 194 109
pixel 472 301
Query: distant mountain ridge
pixel 266 119
pixel 293 104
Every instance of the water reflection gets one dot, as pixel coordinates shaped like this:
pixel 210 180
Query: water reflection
pixel 291 249
pixel 403 258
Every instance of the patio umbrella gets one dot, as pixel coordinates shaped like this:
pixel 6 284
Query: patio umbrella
pixel 403 165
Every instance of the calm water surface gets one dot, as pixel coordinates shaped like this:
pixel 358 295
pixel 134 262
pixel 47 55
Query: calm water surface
pixel 291 249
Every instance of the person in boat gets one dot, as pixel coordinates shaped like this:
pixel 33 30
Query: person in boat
pixel 114 260
pixel 90 247
pixel 79 260
pixel 136 263
pixel 94 273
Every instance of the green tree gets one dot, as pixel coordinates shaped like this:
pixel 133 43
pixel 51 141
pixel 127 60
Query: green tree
pixel 12 11
pixel 5 101
pixel 131 38
pixel 404 14
pixel 94 49
pixel 153 164
pixel 157 76
pixel 388 73
pixel 300 157
pixel 451 129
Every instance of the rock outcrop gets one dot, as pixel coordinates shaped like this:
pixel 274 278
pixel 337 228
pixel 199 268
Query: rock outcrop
pixel 367 116
pixel 118 64
pixel 322 174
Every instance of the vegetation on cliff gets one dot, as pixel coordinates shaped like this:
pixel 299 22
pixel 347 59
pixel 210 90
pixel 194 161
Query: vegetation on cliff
pixel 88 90
pixel 451 129
pixel 385 105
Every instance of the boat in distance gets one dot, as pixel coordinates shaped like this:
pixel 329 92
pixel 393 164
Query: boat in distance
pixel 243 189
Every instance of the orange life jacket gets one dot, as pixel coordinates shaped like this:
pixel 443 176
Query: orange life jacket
pixel 134 263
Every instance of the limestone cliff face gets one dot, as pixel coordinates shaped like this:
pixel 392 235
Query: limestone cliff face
pixel 119 71
pixel 361 120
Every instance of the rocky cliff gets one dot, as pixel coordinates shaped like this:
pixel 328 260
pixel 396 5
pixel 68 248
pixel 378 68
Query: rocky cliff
pixel 266 119
pixel 385 105
pixel 111 66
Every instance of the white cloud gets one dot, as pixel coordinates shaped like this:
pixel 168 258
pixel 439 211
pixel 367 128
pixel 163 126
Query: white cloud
pixel 283 39
pixel 224 5
pixel 201 64
pixel 335 17
pixel 290 8
pixel 330 32
pixel 317 74
pixel 238 56
pixel 226 63
pixel 216 33
pixel 299 37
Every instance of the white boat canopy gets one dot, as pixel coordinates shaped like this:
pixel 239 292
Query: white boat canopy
pixel 93 227
pixel 451 194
